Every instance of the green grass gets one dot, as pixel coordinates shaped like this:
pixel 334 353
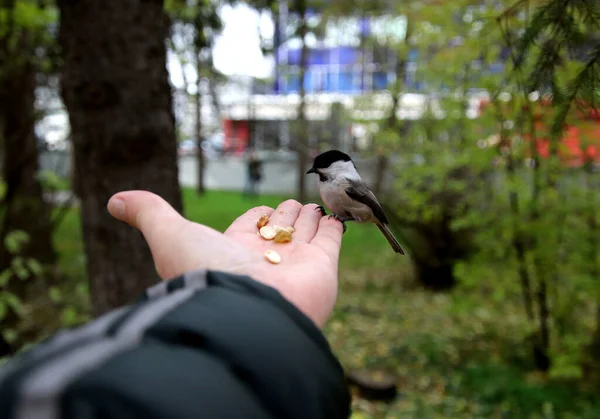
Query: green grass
pixel 458 355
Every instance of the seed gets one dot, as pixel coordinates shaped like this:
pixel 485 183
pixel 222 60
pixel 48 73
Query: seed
pixel 272 256
pixel 283 236
pixel 262 221
pixel 277 228
pixel 268 233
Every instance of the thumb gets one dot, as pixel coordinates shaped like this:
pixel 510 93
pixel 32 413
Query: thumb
pixel 154 217
pixel 142 210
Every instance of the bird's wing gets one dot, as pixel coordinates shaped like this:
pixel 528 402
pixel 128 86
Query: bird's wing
pixel 361 193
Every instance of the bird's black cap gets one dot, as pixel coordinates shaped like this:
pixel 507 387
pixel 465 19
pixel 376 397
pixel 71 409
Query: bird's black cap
pixel 326 159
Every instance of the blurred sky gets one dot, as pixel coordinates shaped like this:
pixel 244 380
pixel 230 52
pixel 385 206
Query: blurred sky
pixel 237 48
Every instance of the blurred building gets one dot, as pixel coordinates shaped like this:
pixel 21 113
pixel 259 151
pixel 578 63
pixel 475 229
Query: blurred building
pixel 340 67
pixel 346 80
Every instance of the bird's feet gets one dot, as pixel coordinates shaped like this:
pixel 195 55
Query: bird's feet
pixel 341 220
pixel 335 216
pixel 322 210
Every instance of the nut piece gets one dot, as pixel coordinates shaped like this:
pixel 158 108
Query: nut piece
pixel 277 228
pixel 262 221
pixel 283 236
pixel 272 256
pixel 268 233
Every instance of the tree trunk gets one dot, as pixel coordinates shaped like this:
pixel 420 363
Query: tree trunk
pixel 115 86
pixel 435 277
pixel 199 152
pixel 23 207
pixel 302 129
pixel 380 171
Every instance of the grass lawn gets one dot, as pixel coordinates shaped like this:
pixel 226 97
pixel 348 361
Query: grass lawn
pixel 455 356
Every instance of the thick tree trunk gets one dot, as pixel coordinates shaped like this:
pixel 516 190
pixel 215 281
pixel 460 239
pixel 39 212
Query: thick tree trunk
pixel 23 207
pixel 115 86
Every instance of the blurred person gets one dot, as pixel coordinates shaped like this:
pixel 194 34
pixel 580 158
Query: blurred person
pixel 225 335
pixel 253 175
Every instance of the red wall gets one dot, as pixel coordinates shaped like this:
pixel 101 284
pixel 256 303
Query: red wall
pixel 236 135
pixel 580 144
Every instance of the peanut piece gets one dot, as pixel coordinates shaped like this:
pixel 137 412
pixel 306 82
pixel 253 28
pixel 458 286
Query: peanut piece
pixel 272 256
pixel 262 221
pixel 283 236
pixel 268 233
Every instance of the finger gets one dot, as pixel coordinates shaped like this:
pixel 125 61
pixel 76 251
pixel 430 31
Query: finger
pixel 286 213
pixel 329 237
pixel 307 223
pixel 247 221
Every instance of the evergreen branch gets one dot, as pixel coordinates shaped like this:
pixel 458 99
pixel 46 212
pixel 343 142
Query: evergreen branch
pixel 590 12
pixel 511 10
pixel 538 23
pixel 585 78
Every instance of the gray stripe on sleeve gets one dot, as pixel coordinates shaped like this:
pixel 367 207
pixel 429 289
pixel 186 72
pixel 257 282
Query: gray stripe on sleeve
pixel 191 278
pixel 40 391
pixel 96 328
pixel 157 290
pixel 195 278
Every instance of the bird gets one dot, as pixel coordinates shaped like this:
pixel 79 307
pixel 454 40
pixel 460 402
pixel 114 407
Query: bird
pixel 347 196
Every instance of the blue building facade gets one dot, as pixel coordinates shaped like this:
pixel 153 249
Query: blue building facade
pixel 337 63
pixel 341 63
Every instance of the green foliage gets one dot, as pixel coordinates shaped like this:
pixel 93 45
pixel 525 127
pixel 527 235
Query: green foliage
pixel 51 181
pixel 26 14
pixel 15 240
pixel 20 269
pixel 474 194
pixel 558 30
pixel 454 356
pixel 25 26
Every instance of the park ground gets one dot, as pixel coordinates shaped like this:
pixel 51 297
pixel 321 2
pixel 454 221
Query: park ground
pixel 455 355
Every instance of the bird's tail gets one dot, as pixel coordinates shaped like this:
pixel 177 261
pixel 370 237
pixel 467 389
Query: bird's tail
pixel 390 238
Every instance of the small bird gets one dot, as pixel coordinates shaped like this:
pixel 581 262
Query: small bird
pixel 345 194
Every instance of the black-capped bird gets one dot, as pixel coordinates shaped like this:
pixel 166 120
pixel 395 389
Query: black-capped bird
pixel 347 196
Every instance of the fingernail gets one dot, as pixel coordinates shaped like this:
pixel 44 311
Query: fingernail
pixel 117 208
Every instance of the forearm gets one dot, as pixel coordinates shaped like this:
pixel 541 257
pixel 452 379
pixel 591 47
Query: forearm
pixel 205 344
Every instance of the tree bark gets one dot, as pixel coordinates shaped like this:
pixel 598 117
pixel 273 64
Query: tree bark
pixel 199 152
pixel 302 129
pixel 23 207
pixel 116 88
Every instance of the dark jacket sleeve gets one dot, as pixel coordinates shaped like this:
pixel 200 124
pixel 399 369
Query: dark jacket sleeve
pixel 204 345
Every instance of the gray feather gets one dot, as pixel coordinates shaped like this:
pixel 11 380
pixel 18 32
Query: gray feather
pixel 361 193
pixel 390 238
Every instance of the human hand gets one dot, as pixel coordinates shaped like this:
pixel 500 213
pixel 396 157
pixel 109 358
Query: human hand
pixel 307 275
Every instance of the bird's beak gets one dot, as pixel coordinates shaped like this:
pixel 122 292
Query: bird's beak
pixel 311 170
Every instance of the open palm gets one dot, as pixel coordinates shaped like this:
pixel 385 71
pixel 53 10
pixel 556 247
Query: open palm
pixel 306 276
